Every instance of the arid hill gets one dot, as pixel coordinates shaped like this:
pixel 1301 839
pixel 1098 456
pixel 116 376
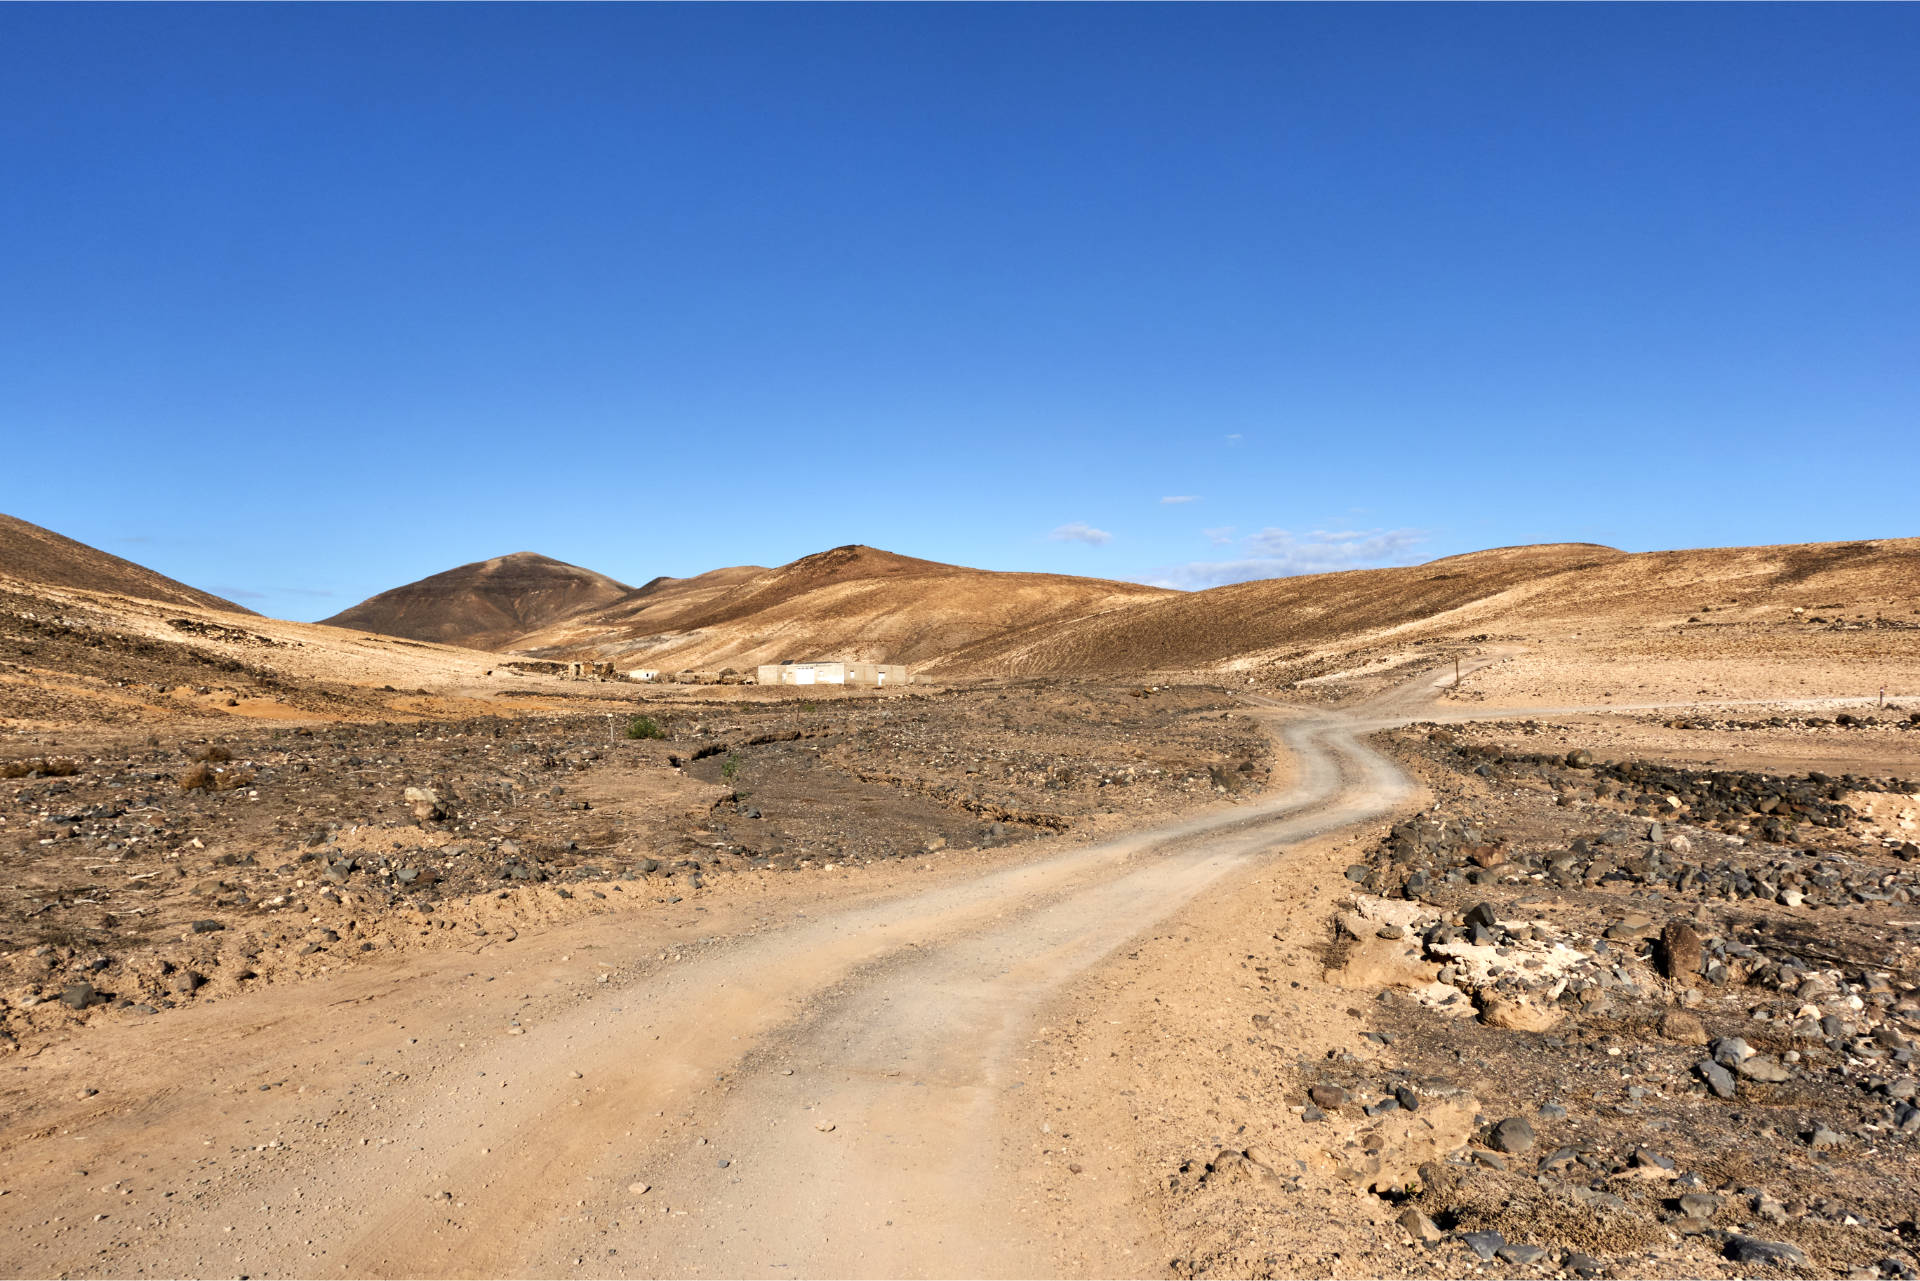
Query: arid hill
pixel 490 604
pixel 1653 624
pixel 30 554
pixel 1660 624
pixel 854 602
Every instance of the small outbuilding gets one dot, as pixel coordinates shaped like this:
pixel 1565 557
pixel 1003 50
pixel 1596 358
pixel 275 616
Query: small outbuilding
pixel 878 675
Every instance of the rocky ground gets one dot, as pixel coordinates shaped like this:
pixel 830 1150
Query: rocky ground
pixel 1579 1016
pixel 187 865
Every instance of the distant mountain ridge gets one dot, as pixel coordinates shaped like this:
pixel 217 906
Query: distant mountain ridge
pixel 489 604
pixel 35 555
pixel 853 602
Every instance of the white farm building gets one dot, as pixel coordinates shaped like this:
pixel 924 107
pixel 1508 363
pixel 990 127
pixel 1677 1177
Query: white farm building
pixel 879 675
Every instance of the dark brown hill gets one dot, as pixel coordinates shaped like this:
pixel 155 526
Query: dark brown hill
pixel 35 555
pixel 490 604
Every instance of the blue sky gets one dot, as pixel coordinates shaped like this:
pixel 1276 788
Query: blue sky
pixel 301 302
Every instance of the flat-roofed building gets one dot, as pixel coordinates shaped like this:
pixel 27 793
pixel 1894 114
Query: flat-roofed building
pixel 879 675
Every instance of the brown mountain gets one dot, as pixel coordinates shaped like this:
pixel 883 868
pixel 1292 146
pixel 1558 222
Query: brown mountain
pixel 1712 605
pixel 854 602
pixel 490 604
pixel 1668 624
pixel 31 554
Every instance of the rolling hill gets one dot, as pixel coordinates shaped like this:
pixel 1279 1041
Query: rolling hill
pixel 30 554
pixel 490 604
pixel 853 602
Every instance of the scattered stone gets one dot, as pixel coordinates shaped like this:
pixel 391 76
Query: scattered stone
pixel 1745 1249
pixel 1419 1226
pixel 1683 1027
pixel 1731 1051
pixel 1682 952
pixel 1327 1095
pixel 1511 1136
pixel 1822 1136
pixel 1699 1205
pixel 1521 1255
pixel 1485 1245
pixel 1718 1079
pixel 1764 1067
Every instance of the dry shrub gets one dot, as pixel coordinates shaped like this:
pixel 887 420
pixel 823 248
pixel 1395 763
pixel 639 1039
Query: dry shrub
pixel 227 780
pixel 45 766
pixel 211 752
pixel 196 779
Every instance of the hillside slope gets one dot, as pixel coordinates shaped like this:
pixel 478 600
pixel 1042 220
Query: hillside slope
pixel 490 604
pixel 854 602
pixel 30 554
pixel 1654 624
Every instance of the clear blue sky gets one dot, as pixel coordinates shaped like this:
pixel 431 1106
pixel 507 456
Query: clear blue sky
pixel 299 303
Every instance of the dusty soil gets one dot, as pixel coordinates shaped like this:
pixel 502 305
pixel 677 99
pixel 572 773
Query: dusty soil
pixel 140 877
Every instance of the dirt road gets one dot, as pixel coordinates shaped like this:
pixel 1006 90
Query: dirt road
pixel 824 1094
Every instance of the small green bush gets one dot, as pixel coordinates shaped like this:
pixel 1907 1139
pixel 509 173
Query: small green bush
pixel 645 727
pixel 730 767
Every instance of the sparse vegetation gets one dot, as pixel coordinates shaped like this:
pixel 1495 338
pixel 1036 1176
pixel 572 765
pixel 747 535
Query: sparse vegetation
pixel 645 727
pixel 44 766
pixel 730 767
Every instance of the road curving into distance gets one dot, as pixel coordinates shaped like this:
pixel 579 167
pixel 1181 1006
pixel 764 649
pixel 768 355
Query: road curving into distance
pixel 824 1095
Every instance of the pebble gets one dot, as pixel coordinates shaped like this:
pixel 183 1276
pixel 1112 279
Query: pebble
pixel 1699 1205
pixel 825 1127
pixel 639 1189
pixel 1521 1255
pixel 1512 1136
pixel 1419 1226
pixel 1718 1079
pixel 1327 1095
pixel 1745 1249
pixel 1485 1245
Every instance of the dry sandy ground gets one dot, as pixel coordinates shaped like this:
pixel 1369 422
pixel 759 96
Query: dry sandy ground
pixel 972 1068
pixel 814 1089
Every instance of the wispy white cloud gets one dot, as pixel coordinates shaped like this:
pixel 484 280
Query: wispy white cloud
pixel 1280 553
pixel 1182 498
pixel 1219 537
pixel 1234 438
pixel 1081 532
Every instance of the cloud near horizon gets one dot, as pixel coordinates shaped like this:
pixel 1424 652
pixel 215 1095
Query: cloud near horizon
pixel 1280 553
pixel 1081 532
pixel 1182 498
